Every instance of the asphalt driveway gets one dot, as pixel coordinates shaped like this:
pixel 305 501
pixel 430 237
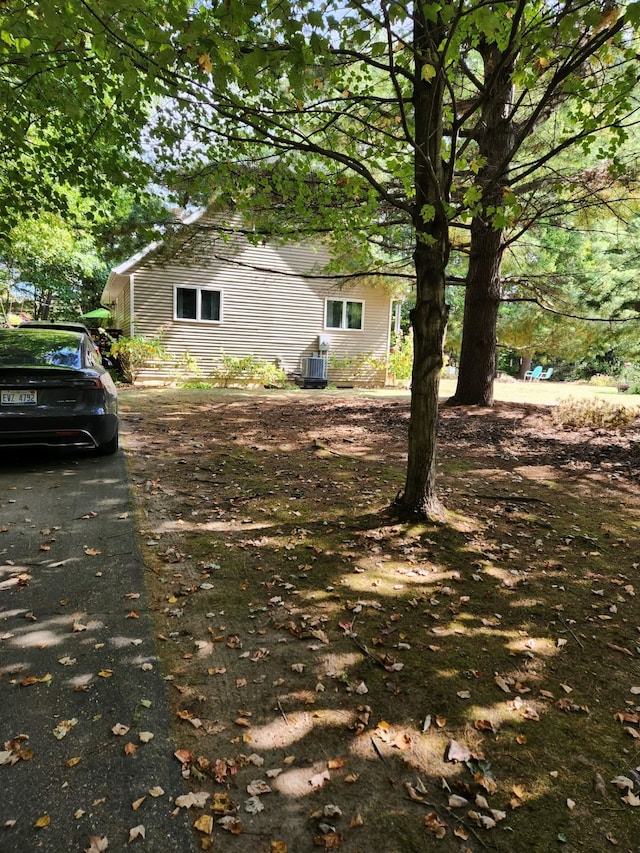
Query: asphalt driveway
pixel 84 749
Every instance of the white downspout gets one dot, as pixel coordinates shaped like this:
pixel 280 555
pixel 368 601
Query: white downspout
pixel 131 305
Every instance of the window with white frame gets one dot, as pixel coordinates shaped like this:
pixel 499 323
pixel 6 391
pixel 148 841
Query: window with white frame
pixel 344 314
pixel 197 303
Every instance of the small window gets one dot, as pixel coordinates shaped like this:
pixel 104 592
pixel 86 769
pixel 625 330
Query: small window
pixel 198 303
pixel 344 314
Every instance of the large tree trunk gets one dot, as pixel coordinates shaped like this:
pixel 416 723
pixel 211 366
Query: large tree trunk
pixel 495 136
pixel 429 317
pixel 481 303
pixel 42 306
pixel 429 322
pixel 525 364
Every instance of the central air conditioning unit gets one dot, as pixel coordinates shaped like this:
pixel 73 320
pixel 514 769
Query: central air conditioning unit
pixel 313 372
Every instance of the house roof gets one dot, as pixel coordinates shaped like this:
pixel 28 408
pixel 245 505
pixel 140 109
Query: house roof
pixel 118 276
pixel 186 243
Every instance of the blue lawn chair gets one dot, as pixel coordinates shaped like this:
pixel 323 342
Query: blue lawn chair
pixel 534 374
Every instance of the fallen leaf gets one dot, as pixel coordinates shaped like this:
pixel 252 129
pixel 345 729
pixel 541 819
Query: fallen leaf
pixel 253 805
pixel 43 821
pixel 137 832
pixel 63 728
pixel 502 684
pixel 222 804
pixel 204 824
pixel 119 729
pixel 35 679
pixel 184 756
pixel 193 800
pixel 258 787
pixel 621 649
pixel 413 794
pixel 458 752
pixel 623 782
pixel 97 844
pixel 156 791
pixel 435 825
pixel 330 841
pixel 231 824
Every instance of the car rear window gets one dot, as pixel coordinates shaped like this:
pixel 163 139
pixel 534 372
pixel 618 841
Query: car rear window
pixel 41 348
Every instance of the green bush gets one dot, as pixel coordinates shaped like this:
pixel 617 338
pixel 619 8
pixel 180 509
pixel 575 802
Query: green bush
pixel 630 376
pixel 133 353
pixel 187 365
pixel 197 384
pixel 601 380
pixel 401 358
pixel 594 413
pixel 248 369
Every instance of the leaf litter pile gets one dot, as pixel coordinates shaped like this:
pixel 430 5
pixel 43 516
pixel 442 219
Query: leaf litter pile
pixel 342 681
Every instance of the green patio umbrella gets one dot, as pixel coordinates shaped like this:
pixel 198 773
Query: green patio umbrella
pixel 98 314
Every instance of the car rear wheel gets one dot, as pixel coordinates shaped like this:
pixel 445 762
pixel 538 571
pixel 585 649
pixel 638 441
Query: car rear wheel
pixel 108 447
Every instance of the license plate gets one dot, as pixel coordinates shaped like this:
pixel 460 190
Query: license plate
pixel 19 398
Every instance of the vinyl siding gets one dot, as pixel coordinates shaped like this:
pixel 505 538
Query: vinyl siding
pixel 121 310
pixel 270 308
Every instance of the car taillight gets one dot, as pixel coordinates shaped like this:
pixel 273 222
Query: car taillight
pixel 90 383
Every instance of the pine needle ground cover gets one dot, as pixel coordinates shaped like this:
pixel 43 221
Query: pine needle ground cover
pixel 341 681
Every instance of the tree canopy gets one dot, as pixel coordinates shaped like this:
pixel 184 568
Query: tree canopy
pixel 72 109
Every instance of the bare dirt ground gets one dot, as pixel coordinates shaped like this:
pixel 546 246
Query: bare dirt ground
pixel 341 681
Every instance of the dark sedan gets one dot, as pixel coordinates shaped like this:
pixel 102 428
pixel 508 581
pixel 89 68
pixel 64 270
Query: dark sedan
pixel 54 392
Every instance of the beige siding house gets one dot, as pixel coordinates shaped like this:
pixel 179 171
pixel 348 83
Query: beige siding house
pixel 210 292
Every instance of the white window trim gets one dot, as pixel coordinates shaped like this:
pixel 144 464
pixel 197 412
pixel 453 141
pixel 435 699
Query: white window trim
pixel 198 288
pixel 343 327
